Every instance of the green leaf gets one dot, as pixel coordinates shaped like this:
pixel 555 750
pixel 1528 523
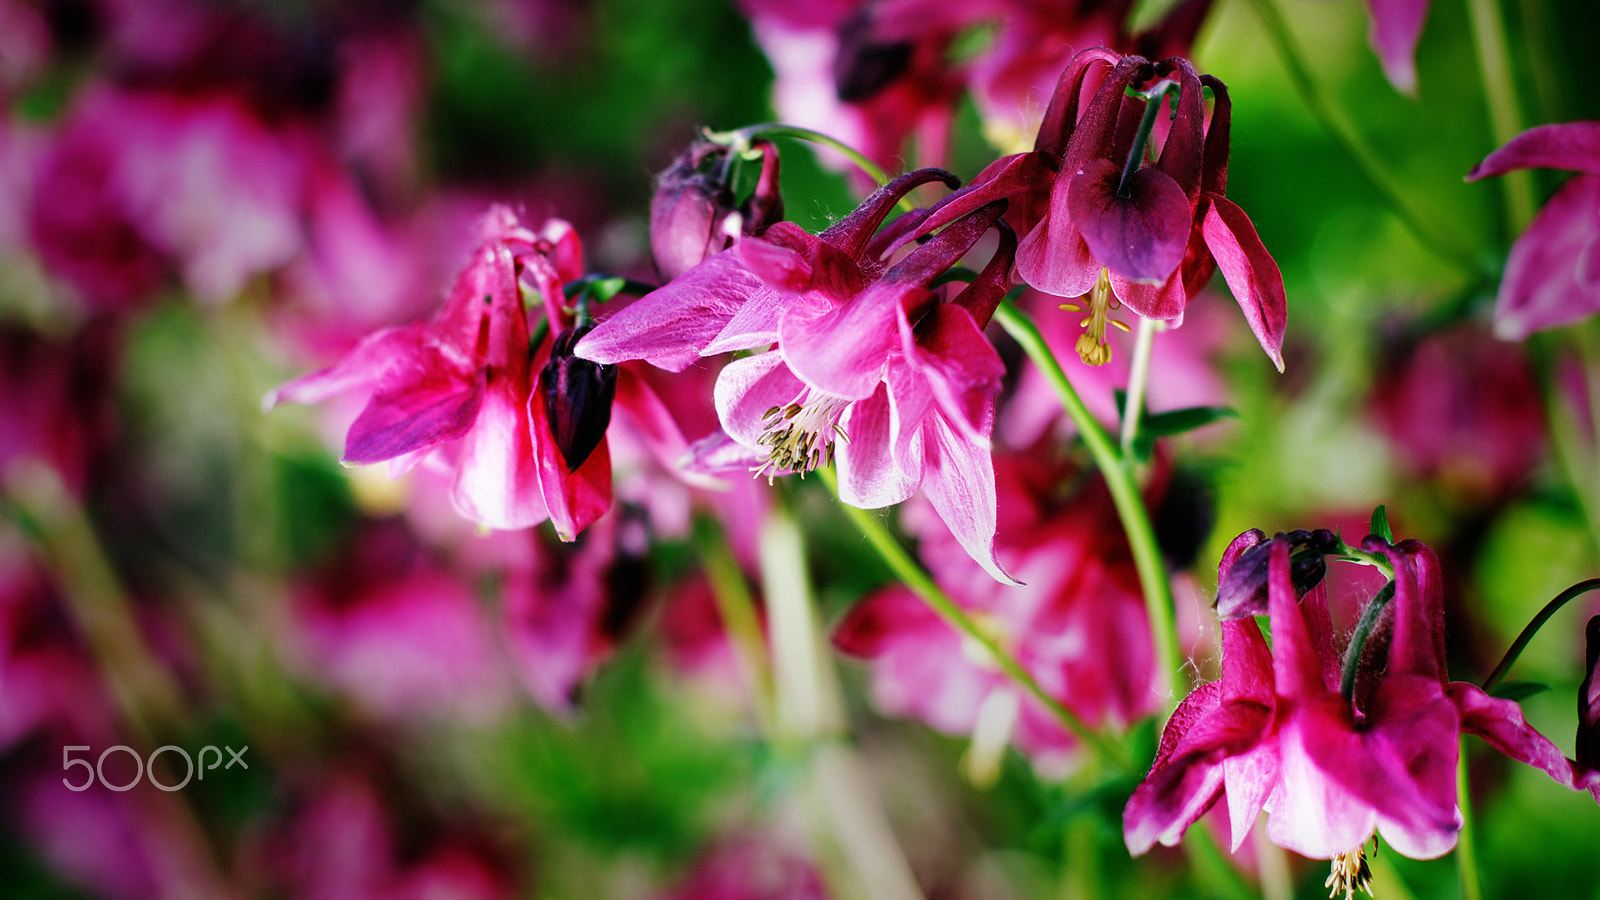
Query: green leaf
pixel 1380 524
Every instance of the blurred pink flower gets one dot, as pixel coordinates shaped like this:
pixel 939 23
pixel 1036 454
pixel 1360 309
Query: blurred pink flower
pixel 1275 732
pixel 1552 277
pixel 1396 28
pixel 751 867
pixel 1462 408
pixel 1077 625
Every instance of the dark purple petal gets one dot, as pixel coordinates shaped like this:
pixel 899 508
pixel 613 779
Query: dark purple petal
pixel 577 396
pixel 1139 232
pixel 1569 145
pixel 422 400
pixel 1185 148
pixel 1251 272
pixel 852 233
pixel 1061 116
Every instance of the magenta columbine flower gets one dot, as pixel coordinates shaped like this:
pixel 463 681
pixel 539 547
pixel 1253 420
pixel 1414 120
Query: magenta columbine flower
pixel 1105 227
pixel 460 389
pixel 1552 276
pixel 1276 733
pixel 869 366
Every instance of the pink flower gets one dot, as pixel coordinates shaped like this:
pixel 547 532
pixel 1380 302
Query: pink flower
pixel 459 390
pixel 1277 734
pixel 1552 276
pixel 870 365
pixel 1396 28
pixel 1100 224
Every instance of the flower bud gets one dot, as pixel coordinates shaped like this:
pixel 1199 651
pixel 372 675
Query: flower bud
pixel 1242 590
pixel 695 214
pixel 577 397
pixel 1588 743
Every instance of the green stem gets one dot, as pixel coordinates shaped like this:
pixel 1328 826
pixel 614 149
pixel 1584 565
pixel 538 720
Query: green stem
pixel 740 138
pixel 912 575
pixel 1154 100
pixel 1358 640
pixel 737 610
pixel 1505 116
pixel 1436 240
pixel 1138 382
pixel 1466 846
pixel 1521 643
pixel 1118 474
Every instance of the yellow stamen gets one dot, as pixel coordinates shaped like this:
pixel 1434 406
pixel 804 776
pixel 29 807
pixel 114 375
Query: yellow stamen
pixel 1092 347
pixel 800 436
pixel 1350 873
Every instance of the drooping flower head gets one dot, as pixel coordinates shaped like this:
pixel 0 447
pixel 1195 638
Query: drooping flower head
pixel 1279 733
pixel 1103 222
pixel 459 390
pixel 1552 276
pixel 694 213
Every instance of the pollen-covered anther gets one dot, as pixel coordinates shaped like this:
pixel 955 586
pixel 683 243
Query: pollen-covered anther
pixel 1092 346
pixel 1350 874
pixel 801 436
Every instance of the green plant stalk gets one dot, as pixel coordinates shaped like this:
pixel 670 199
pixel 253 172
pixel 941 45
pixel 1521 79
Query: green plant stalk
pixel 737 609
pixel 1505 115
pixel 1532 628
pixel 1466 846
pixel 1138 384
pixel 1118 473
pixel 912 575
pixel 1435 239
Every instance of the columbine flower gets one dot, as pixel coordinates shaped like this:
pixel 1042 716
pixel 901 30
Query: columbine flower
pixel 1277 734
pixel 459 390
pixel 1103 226
pixel 1552 276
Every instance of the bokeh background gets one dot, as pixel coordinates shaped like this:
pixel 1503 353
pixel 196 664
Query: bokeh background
pixel 201 200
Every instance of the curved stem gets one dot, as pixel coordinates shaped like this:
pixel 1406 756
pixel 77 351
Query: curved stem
pixel 741 138
pixel 1521 643
pixel 1358 640
pixel 1505 116
pixel 919 581
pixel 1440 242
pixel 1118 474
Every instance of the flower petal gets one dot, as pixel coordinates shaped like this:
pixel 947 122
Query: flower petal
pixel 1138 230
pixel 1251 272
pixel 958 478
pixel 363 366
pixel 1544 286
pixel 747 388
pixel 875 471
pixel 1396 26
pixel 423 399
pixel 497 479
pixel 1501 723
pixel 1568 145
pixel 574 498
pixel 669 326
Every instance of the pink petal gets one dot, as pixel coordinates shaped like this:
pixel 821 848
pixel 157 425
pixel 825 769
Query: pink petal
pixel 1569 145
pixel 1251 272
pixel 1412 736
pixel 669 326
pixel 883 618
pixel 1296 664
pixel 958 478
pixel 1314 815
pixel 842 349
pixel 782 267
pixel 422 400
pixel 1248 781
pixel 960 366
pixel 1548 280
pixel 1396 26
pixel 1139 232
pixel 874 469
pixel 363 366
pixel 852 233
pixel 574 498
pixel 1053 257
pixel 747 388
pixel 1501 723
pixel 496 480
